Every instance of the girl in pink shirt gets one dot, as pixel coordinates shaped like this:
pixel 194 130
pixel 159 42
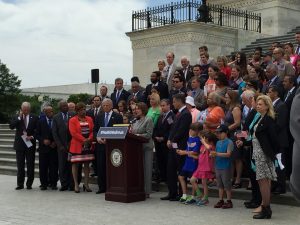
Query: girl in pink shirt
pixel 205 169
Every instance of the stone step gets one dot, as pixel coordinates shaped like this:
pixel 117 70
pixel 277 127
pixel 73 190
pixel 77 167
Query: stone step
pixel 6 147
pixel 4 126
pixel 4 136
pixel 12 170
pixel 8 154
pixel 12 162
pixel 7 141
pixel 6 131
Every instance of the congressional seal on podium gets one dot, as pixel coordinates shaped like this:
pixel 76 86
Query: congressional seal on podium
pixel 116 157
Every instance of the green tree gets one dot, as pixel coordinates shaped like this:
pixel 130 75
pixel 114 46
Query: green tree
pixel 9 93
pixel 82 97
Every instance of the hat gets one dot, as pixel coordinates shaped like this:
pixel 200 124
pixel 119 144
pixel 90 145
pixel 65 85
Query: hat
pixel 222 128
pixel 190 100
pixel 267 54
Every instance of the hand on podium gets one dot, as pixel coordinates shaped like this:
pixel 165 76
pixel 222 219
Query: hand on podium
pixel 101 140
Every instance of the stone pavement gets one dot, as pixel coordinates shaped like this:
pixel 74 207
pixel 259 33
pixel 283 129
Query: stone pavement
pixel 30 207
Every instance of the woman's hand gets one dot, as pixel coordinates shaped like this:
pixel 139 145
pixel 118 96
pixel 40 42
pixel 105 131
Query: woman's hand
pixel 239 143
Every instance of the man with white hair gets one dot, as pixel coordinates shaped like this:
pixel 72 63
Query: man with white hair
pixel 106 119
pixel 169 69
pixel 187 70
pixel 25 124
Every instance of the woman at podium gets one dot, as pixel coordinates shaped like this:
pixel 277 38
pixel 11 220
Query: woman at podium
pixel 144 127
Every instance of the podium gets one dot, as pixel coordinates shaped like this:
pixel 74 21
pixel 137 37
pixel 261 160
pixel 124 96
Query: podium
pixel 124 167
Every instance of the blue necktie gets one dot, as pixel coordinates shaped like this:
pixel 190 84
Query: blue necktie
pixel 118 95
pixel 106 119
pixel 50 123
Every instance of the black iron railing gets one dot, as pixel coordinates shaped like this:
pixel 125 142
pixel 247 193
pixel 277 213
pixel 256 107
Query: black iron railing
pixel 197 11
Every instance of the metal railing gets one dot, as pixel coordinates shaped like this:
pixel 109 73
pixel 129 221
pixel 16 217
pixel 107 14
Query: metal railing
pixel 191 10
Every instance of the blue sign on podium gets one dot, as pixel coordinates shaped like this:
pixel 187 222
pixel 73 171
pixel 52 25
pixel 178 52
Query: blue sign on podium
pixel 112 132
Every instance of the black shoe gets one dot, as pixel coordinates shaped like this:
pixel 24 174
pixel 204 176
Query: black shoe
pixel 29 187
pixel 43 188
pixel 93 175
pixel 54 187
pixel 19 188
pixel 64 188
pixel 175 199
pixel 86 188
pixel 252 205
pixel 278 191
pixel 165 198
pixel 71 189
pixel 266 213
pixel 100 191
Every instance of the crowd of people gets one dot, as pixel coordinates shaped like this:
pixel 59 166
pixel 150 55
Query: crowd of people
pixel 210 124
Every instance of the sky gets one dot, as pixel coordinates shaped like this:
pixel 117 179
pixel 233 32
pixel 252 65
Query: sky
pixel 55 42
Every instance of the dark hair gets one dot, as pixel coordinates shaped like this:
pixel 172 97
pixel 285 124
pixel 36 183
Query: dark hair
pixel 197 65
pixel 243 59
pixel 234 99
pixel 196 126
pixel 167 101
pixel 180 77
pixel 222 78
pixel 298 32
pixel 196 79
pixel 143 107
pixel 215 68
pixel 79 106
pixel 292 79
pixel 238 68
pixel 119 79
pixel 135 79
pixel 258 49
pixel 179 97
pixel 158 73
pixel 104 87
pixel 96 96
pixel 210 136
pixel 275 88
pixel 204 47
pixel 123 104
pixel 205 54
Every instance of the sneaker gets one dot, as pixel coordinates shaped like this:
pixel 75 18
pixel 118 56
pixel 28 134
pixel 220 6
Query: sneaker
pixel 190 201
pixel 219 204
pixel 227 205
pixel 182 199
pixel 202 202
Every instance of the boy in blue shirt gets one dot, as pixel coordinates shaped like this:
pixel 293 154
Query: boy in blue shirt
pixel 191 160
pixel 224 148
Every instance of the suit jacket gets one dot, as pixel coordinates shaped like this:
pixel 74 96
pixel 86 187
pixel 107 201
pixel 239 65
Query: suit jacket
pixel 44 132
pixel 60 130
pixel 115 118
pixel 174 92
pixel 162 88
pixel 18 124
pixel 139 96
pixel 91 113
pixel 77 138
pixel 282 123
pixel 179 132
pixel 277 82
pixel 289 100
pixel 144 127
pixel 188 75
pixel 168 79
pixel 123 96
pixel 200 100
pixel 163 126
pixel 295 130
pixel 266 133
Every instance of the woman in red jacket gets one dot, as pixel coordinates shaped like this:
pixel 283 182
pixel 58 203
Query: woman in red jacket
pixel 81 130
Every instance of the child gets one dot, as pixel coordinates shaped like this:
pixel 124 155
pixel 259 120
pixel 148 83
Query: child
pixel 205 169
pixel 223 152
pixel 191 160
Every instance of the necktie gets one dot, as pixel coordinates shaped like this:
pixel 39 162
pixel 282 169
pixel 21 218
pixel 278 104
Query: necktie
pixel 106 119
pixel 65 118
pixel 164 117
pixel 118 95
pixel 25 122
pixel 193 93
pixel 96 112
pixel 298 50
pixel 50 123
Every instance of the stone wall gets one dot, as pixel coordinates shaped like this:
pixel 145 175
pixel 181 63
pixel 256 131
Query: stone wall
pixel 183 39
pixel 278 16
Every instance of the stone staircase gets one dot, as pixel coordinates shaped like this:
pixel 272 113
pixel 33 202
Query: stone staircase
pixel 265 43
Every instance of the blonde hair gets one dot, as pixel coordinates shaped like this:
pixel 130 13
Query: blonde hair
pixel 156 98
pixel 268 102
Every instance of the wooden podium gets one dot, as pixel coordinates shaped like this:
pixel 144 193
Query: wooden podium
pixel 125 169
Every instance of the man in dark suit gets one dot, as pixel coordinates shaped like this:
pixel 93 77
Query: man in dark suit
pixel 25 124
pixel 136 92
pixel 61 136
pixel 155 82
pixel 119 93
pixel 96 109
pixel 187 71
pixel 282 123
pixel 289 85
pixel 103 92
pixel 160 135
pixel 198 94
pixel 273 79
pixel 48 160
pixel 106 119
pixel 178 137
pixel 178 83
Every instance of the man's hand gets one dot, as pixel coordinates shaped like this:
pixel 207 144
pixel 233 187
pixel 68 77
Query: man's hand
pixel 169 144
pixel 28 138
pixel 46 142
pixel 239 143
pixel 101 140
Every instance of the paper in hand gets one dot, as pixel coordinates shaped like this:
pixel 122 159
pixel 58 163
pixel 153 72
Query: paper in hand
pixel 27 142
